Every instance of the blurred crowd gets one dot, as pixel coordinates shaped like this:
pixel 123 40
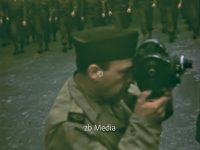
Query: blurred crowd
pixel 43 21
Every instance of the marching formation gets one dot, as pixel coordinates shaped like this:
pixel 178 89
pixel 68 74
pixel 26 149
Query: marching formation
pixel 25 21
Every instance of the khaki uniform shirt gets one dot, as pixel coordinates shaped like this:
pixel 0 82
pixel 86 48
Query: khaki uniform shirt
pixel 78 121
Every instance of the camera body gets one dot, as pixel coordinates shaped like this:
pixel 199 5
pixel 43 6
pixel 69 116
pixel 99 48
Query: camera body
pixel 155 69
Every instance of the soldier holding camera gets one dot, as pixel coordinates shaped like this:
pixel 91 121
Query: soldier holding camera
pixel 89 112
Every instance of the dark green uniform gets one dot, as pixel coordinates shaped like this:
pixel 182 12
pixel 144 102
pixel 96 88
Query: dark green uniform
pixel 169 13
pixel 184 10
pixel 91 11
pixel 145 13
pixel 121 18
pixel 192 5
pixel 31 18
pixel 17 14
pixel 7 25
pixel 3 20
pixel 65 10
pixel 42 24
pixel 53 18
pixel 107 13
pixel 76 18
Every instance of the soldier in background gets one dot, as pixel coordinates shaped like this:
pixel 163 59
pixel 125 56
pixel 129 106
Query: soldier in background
pixel 169 13
pixel 92 13
pixel 107 13
pixel 31 17
pixel 16 11
pixel 53 18
pixel 42 24
pixel 2 23
pixel 192 6
pixel 67 10
pixel 76 16
pixel 185 13
pixel 145 12
pixel 176 14
pixel 121 11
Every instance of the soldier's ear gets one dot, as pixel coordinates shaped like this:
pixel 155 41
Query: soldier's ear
pixel 94 72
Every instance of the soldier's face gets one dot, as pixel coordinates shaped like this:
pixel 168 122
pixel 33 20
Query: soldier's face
pixel 116 79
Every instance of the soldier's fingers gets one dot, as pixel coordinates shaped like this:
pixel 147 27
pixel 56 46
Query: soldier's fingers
pixel 143 96
pixel 161 102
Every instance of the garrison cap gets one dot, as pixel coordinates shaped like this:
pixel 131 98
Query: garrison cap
pixel 105 44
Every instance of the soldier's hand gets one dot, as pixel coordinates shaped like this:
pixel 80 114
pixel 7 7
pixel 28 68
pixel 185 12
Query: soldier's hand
pixel 73 13
pixel 56 18
pixel 152 111
pixel 129 10
pixel 7 18
pixel 179 5
pixel 153 5
pixel 110 13
pixel 82 18
pixel 1 21
pixel 103 15
pixel 50 19
pixel 24 23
